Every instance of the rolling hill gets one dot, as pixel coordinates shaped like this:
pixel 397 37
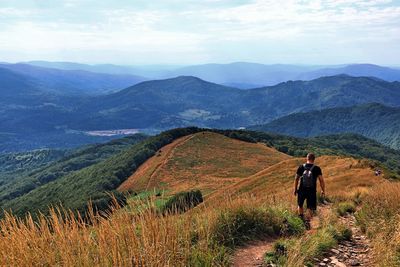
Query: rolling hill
pixel 153 106
pixel 20 173
pixel 72 81
pixel 243 75
pixel 217 158
pixel 357 70
pixel 248 195
pixel 200 161
pixel 185 101
pixel 36 103
pixel 374 121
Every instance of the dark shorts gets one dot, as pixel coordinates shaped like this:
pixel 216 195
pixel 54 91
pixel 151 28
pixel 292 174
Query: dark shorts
pixel 307 195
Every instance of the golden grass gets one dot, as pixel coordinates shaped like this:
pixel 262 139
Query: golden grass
pixel 123 239
pixel 380 216
pixel 134 237
pixel 205 161
pixel 343 177
pixel 119 239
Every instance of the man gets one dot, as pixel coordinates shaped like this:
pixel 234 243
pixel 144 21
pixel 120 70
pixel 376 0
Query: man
pixel 308 174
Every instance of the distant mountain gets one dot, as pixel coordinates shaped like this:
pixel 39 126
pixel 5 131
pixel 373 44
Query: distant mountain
pixel 242 75
pixel 186 101
pixel 374 121
pixel 357 70
pixel 72 81
pixel 165 104
pixel 150 71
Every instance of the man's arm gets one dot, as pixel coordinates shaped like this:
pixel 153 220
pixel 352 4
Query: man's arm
pixel 322 184
pixel 296 183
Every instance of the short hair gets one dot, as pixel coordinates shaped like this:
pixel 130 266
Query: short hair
pixel 311 156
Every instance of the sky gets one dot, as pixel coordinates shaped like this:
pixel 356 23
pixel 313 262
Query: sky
pixel 177 32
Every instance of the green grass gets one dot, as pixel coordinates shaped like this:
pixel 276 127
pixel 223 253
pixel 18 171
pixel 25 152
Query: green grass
pixel 302 251
pixel 237 226
pixel 344 208
pixel 182 202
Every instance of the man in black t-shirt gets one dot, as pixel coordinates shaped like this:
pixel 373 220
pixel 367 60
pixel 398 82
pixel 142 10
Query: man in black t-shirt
pixel 308 174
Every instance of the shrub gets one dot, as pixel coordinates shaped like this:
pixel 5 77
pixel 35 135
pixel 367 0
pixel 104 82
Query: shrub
pixel 182 202
pixel 236 226
pixel 279 254
pixel 293 224
pixel 345 207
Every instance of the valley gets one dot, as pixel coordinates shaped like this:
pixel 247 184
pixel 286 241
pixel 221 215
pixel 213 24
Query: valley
pixel 43 119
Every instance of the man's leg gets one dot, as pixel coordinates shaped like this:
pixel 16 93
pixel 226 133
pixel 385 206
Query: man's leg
pixel 300 203
pixel 311 207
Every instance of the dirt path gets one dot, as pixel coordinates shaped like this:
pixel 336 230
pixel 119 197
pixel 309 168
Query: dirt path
pixel 356 252
pixel 252 254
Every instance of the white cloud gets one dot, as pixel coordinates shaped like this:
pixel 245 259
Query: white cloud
pixel 211 30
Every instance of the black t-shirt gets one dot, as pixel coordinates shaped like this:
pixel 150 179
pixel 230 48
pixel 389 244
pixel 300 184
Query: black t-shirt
pixel 316 171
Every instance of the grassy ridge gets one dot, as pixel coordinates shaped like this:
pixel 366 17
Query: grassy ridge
pixel 353 145
pixel 97 181
pixel 374 121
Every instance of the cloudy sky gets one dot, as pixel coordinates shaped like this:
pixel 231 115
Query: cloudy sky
pixel 201 31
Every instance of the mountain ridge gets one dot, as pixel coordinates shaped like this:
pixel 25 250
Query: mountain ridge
pixel 373 120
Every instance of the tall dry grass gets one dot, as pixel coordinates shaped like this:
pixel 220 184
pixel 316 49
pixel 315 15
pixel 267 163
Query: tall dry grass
pixel 124 238
pixel 121 239
pixel 380 218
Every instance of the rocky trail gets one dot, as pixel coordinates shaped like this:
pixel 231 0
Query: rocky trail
pixel 355 252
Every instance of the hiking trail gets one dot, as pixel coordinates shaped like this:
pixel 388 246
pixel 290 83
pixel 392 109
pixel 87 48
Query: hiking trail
pixel 355 252
pixel 252 254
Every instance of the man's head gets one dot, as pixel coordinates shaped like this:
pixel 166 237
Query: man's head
pixel 310 157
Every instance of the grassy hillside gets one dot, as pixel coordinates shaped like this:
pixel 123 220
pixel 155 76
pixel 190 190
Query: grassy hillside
pixel 258 206
pixel 277 180
pixel 200 161
pixel 374 121
pixel 96 181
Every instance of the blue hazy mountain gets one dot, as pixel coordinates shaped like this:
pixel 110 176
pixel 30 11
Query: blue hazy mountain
pixel 72 81
pixel 246 75
pixel 184 101
pixel 374 121
pixel 240 74
pixel 357 70
pixel 188 100
pixel 149 71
